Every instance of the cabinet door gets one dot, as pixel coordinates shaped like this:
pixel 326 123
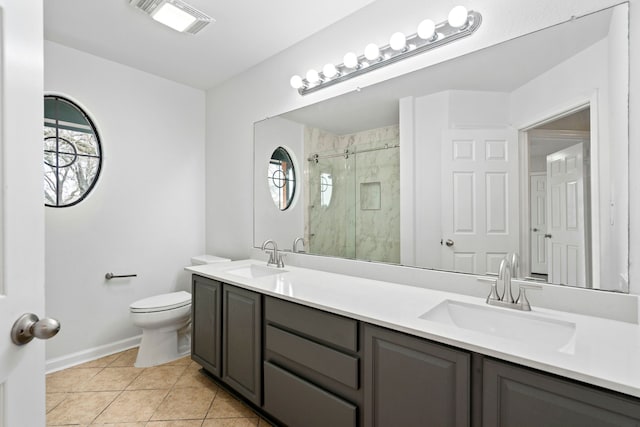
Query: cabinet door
pixel 409 381
pixel 519 397
pixel 242 342
pixel 206 323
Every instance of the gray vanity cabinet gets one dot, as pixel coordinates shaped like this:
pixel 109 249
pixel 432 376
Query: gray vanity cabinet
pixel 409 381
pixel 312 366
pixel 520 397
pixel 206 306
pixel 307 367
pixel 227 334
pixel 242 341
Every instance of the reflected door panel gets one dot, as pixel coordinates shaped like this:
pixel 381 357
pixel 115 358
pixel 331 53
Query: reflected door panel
pixel 538 206
pixel 566 230
pixel 479 199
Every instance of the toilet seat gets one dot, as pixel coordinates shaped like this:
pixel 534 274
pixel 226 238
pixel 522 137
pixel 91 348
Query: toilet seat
pixel 162 302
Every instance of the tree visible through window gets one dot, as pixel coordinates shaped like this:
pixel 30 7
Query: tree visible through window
pixel 72 152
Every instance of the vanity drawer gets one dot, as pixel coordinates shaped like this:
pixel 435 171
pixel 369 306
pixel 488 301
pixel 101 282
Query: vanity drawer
pixel 324 360
pixel 297 402
pixel 327 327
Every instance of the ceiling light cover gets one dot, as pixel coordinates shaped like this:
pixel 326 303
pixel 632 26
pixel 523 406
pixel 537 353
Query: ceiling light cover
pixel 173 17
pixel 174 13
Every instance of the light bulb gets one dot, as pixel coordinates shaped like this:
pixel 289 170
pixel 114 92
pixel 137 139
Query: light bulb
pixel 350 60
pixel 458 17
pixel 372 52
pixel 313 76
pixel 296 82
pixel 398 41
pixel 329 71
pixel 426 29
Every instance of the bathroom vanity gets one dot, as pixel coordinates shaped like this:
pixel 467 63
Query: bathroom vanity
pixel 311 348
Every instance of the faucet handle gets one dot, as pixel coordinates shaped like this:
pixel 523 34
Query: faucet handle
pixel 271 261
pixel 493 294
pixel 280 260
pixel 522 296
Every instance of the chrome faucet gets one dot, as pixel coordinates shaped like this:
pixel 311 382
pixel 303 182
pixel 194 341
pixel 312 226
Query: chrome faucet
pixel 504 277
pixel 514 260
pixel 275 257
pixel 295 245
pixel 505 274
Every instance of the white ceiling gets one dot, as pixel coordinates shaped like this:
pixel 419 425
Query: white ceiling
pixel 246 32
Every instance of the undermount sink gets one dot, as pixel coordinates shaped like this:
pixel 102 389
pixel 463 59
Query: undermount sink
pixel 517 326
pixel 254 271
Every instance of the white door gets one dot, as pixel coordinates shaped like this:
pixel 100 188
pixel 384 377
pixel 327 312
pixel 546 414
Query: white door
pixel 565 213
pixel 538 220
pixel 22 390
pixel 479 199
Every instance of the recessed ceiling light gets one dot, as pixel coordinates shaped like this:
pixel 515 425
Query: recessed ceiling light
pixel 175 14
pixel 173 17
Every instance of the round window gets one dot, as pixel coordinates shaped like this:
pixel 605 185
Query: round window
pixel 281 178
pixel 72 152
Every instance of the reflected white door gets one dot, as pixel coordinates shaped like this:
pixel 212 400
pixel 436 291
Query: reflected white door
pixel 479 199
pixel 565 213
pixel 22 391
pixel 538 219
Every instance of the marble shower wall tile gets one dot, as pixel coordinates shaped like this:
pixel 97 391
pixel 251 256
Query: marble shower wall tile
pixel 344 228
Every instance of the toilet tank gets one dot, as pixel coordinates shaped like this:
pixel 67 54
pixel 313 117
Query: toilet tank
pixel 207 259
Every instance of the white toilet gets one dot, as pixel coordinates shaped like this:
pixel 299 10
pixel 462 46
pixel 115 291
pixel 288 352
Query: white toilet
pixel 166 323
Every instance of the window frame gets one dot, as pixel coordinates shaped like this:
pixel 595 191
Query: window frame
pixel 289 184
pixel 99 157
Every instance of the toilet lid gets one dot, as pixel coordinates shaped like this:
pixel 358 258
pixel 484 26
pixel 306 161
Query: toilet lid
pixel 161 302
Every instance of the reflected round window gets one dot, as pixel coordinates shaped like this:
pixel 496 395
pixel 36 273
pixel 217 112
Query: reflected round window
pixel 281 178
pixel 72 152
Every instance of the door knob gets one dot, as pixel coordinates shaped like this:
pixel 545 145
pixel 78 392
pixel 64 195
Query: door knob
pixel 535 230
pixel 29 326
pixel 547 236
pixel 449 242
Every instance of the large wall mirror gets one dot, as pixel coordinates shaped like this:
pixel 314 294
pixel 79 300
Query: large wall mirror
pixel 520 147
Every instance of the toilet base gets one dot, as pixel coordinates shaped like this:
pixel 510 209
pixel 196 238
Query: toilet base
pixel 160 346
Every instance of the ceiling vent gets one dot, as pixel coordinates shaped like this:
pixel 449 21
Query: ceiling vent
pixel 175 14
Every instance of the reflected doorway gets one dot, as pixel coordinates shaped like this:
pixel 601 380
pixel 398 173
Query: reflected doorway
pixel 559 196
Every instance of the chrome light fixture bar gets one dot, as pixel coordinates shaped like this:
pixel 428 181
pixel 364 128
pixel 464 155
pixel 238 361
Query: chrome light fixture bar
pixel 460 23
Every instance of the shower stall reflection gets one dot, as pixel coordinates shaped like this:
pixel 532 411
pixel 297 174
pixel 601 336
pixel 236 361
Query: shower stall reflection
pixel 353 202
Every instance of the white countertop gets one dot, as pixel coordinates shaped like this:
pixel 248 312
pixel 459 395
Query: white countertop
pixel 605 353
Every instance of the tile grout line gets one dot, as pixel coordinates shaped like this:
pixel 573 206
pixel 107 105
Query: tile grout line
pixel 215 396
pixel 174 388
pixel 121 391
pixel 105 408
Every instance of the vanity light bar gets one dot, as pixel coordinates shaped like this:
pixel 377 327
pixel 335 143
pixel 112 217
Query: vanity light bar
pixel 459 24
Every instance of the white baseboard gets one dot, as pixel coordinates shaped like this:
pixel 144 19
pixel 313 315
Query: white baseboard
pixel 88 355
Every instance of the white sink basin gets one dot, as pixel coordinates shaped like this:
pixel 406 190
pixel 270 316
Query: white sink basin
pixel 254 271
pixel 522 327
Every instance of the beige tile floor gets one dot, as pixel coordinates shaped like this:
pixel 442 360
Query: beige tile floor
pixel 111 392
